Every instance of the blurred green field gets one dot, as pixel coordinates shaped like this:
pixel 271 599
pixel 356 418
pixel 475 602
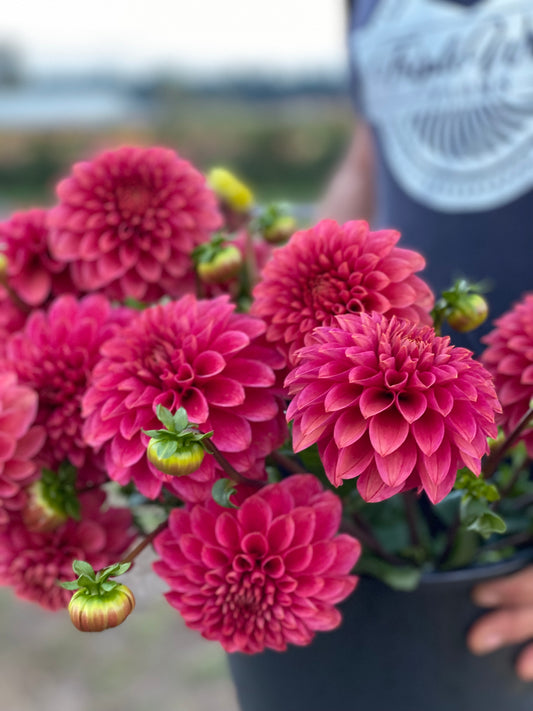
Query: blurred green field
pixel 285 147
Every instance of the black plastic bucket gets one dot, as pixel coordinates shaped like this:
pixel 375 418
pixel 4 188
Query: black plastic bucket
pixel 400 651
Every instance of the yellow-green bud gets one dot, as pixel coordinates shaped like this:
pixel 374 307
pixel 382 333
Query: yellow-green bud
pixel 98 612
pixel 223 266
pixel 470 311
pixel 230 190
pixel 185 460
pixel 40 514
pixel 280 230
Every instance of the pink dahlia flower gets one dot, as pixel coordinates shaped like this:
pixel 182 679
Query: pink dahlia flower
pixel 263 576
pixel 32 273
pixel 509 357
pixel 128 220
pixel 198 355
pixel 20 441
pixel 32 563
pixel 334 269
pixel 55 354
pixel 390 402
pixel 12 319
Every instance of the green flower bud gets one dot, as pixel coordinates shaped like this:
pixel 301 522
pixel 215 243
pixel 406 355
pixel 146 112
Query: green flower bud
pixel 469 312
pixel 40 514
pixel 185 459
pixel 221 267
pixel 97 612
pixel 52 499
pixel 280 230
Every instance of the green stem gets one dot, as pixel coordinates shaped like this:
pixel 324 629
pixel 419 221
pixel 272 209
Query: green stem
pixel 359 528
pixel 144 543
pixel 494 459
pixel 410 502
pixel 232 473
pixel 287 463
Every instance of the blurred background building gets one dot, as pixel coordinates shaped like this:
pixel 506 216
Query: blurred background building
pixel 258 87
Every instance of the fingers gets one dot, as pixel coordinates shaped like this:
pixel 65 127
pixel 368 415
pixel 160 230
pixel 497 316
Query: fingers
pixel 501 628
pixel 524 664
pixel 513 590
pixel 510 623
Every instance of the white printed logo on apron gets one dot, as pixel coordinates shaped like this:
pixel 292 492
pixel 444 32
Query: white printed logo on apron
pixel 450 90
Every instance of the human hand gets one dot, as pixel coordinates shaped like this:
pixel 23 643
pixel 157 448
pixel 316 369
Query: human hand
pixel 511 622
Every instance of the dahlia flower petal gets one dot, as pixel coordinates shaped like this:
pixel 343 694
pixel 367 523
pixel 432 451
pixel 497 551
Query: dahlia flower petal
pixel 396 467
pixel 372 487
pixel 412 405
pixel 388 431
pixel 429 432
pixel 255 515
pixel 375 400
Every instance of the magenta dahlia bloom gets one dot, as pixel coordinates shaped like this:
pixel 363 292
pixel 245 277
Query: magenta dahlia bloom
pixel 127 222
pixel 20 441
pixel 199 355
pixel 55 354
pixel 263 576
pixel 390 402
pixel 334 269
pixel 509 357
pixel 31 271
pixel 12 319
pixel 32 563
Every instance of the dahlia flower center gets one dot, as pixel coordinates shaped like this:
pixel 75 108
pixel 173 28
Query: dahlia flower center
pixel 329 294
pixel 133 198
pixel 247 597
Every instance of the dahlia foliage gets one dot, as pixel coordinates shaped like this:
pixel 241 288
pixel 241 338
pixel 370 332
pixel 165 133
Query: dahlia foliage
pixel 183 368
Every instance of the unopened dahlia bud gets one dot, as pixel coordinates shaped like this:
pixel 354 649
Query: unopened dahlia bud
pixel 470 311
pixel 230 190
pixel 274 222
pixel 185 460
pixel 40 515
pixel 52 499
pixel 176 450
pixel 98 603
pixel 280 230
pixel 95 613
pixel 224 265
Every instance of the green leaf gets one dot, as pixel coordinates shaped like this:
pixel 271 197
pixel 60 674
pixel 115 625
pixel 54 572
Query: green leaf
pixel 488 523
pixel 69 584
pixel 81 567
pixel 221 492
pixel 108 586
pixel 398 577
pixel 153 433
pixel 166 448
pixel 165 416
pixel 180 419
pixel 122 568
pixel 85 581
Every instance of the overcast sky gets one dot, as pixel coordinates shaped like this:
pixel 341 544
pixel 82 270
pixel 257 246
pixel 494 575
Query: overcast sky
pixel 290 36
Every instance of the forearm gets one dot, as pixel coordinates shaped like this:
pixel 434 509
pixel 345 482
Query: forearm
pixel 350 193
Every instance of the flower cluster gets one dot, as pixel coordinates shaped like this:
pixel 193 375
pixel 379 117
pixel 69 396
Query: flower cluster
pixel 170 346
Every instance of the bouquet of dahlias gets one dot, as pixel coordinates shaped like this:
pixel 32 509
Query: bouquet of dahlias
pixel 272 408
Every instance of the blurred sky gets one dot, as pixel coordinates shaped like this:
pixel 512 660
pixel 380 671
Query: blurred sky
pixel 283 37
